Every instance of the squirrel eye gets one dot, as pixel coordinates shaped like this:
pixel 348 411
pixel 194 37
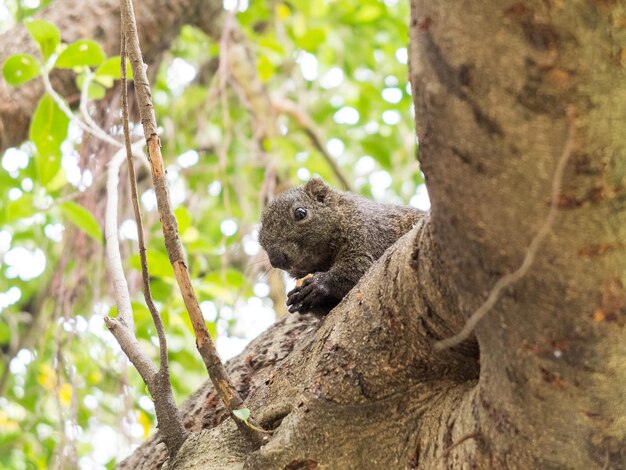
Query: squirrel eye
pixel 299 213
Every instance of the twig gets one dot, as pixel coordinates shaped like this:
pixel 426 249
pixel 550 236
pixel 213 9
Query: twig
pixel 157 380
pixel 313 133
pixel 446 453
pixel 510 278
pixel 84 100
pixel 156 317
pixel 114 259
pixel 205 346
pixel 99 133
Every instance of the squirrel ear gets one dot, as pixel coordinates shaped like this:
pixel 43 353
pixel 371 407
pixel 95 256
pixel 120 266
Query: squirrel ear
pixel 317 188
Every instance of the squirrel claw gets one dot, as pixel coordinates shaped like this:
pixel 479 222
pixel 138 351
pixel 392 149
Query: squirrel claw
pixel 295 308
pixel 313 295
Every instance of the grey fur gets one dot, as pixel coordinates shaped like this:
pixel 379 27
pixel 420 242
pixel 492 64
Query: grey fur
pixel 338 240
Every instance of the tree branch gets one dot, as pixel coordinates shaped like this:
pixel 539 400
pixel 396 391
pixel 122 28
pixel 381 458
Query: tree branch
pixel 145 275
pixel 205 345
pixel 85 126
pixel 305 121
pixel 157 381
pixel 122 325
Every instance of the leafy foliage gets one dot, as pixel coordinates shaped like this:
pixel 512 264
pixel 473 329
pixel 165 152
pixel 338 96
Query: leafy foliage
pixel 81 53
pixel 342 63
pixel 242 413
pixel 48 130
pixel 45 34
pixel 20 68
pixel 82 218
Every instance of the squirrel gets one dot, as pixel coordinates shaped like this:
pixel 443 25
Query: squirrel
pixel 332 237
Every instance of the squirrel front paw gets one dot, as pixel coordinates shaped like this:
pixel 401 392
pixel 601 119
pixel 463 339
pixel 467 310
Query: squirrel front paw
pixel 314 295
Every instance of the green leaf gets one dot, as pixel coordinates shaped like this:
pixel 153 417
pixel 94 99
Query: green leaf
pixel 272 43
pixel 5 333
pixel 81 53
pixel 182 218
pixel 48 130
pixel 158 264
pixel 378 148
pixel 212 327
pixel 235 279
pixel 112 68
pixel 57 182
pixel 143 320
pixel 369 13
pixel 190 235
pixel 242 413
pixel 105 81
pixel 45 34
pixel 265 68
pixel 82 218
pixel 95 92
pixel 161 288
pixel 21 208
pixel 20 68
pixel 311 39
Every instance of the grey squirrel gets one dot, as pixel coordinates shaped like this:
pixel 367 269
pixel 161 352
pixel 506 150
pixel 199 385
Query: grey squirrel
pixel 333 235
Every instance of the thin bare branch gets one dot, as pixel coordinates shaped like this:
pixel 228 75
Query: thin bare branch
pixel 97 132
pixel 305 121
pixel 205 345
pixel 156 317
pixel 113 257
pixel 157 381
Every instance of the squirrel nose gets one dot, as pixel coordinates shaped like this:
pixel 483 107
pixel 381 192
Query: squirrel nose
pixel 278 259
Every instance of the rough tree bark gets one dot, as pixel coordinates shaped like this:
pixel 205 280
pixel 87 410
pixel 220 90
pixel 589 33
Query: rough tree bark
pixel 498 84
pixel 498 87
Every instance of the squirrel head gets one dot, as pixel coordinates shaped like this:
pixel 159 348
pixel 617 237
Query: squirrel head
pixel 300 228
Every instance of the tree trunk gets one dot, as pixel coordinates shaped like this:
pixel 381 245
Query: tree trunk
pixel 498 87
pixel 502 92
